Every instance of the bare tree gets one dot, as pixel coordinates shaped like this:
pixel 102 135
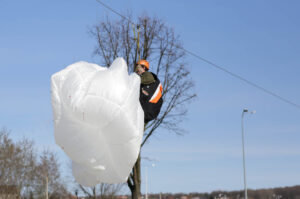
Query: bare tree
pixel 17 162
pixel 22 170
pixel 102 191
pixel 163 49
pixel 48 177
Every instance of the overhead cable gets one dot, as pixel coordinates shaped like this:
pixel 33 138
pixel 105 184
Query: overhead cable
pixel 217 66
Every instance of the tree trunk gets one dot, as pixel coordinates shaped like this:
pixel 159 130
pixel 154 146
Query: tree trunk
pixel 94 192
pixel 134 181
pixel 159 42
pixel 46 187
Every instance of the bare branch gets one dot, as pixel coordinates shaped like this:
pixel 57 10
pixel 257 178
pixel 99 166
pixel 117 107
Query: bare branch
pixel 160 45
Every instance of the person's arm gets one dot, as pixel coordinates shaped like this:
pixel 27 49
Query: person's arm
pixel 147 78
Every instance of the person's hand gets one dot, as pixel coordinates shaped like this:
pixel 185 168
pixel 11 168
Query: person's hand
pixel 145 92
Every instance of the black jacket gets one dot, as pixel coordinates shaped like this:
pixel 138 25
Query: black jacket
pixel 152 102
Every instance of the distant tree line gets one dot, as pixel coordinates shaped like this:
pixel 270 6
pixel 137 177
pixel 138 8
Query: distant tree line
pixel 29 174
pixel 26 172
pixel 272 193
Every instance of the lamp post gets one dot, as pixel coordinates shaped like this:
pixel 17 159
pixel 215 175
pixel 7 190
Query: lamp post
pixel 243 145
pixel 146 181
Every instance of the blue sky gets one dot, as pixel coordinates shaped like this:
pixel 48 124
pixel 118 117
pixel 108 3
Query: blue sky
pixel 256 39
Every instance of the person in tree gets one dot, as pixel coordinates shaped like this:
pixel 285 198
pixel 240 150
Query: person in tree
pixel 150 91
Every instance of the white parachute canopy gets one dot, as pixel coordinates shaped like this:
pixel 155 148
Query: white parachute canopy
pixel 98 120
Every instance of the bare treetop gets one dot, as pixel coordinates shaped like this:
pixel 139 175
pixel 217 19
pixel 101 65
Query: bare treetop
pixel 163 49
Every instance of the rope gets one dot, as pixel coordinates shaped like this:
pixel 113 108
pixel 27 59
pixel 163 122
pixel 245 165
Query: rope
pixel 133 28
pixel 138 42
pixel 137 39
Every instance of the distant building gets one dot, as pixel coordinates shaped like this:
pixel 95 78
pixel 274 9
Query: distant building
pixel 169 197
pixel 221 196
pixel 122 197
pixel 184 197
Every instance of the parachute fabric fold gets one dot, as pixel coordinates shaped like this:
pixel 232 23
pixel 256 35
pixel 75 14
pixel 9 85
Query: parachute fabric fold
pixel 98 120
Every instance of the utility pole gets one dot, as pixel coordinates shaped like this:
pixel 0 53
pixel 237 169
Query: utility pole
pixel 243 146
pixel 146 181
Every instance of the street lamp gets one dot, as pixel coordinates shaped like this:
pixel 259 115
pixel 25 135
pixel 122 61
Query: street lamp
pixel 243 145
pixel 146 180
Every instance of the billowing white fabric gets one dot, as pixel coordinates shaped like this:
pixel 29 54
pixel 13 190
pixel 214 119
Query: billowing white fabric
pixel 98 120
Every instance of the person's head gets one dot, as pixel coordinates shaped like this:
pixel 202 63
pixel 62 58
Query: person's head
pixel 142 66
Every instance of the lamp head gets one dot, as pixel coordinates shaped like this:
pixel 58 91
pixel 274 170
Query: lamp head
pixel 245 110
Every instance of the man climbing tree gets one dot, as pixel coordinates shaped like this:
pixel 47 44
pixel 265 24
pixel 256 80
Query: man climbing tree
pixel 160 46
pixel 150 91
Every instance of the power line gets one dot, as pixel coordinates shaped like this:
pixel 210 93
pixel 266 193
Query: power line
pixel 117 13
pixel 243 79
pixel 217 66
